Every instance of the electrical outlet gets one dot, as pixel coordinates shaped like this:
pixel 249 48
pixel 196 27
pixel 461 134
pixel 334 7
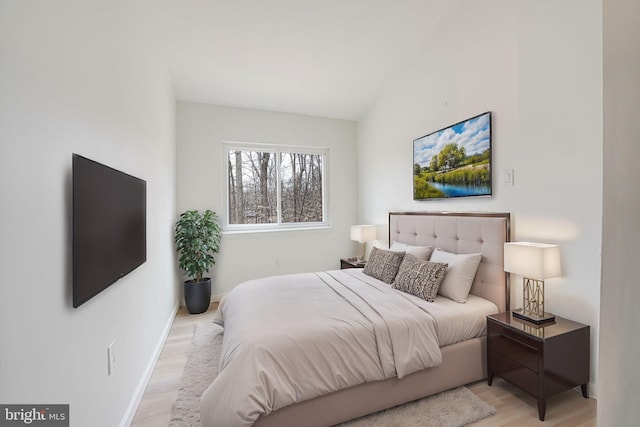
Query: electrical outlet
pixel 111 358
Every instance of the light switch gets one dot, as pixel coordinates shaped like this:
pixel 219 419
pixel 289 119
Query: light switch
pixel 507 177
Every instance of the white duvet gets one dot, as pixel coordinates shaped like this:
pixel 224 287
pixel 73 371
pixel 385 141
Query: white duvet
pixel 292 338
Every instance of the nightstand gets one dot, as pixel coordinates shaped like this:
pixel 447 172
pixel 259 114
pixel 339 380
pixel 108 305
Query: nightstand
pixel 349 263
pixel 542 360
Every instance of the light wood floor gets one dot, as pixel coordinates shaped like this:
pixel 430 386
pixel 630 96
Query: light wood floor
pixel 514 407
pixel 162 391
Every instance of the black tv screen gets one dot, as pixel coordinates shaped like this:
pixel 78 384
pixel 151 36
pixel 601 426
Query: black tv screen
pixel 109 226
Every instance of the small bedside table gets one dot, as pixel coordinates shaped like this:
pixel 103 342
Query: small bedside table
pixel 542 360
pixel 346 263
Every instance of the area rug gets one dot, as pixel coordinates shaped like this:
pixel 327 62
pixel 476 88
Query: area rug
pixel 453 408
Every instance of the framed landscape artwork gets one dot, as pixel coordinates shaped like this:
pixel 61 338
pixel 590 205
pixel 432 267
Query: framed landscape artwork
pixel 454 161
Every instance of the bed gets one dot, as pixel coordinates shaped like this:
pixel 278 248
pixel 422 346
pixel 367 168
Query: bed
pixel 404 372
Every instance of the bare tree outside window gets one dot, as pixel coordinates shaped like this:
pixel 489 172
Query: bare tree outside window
pixel 301 187
pixel 252 187
pixel 253 181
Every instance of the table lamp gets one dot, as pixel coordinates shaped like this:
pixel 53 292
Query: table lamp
pixel 363 234
pixel 535 262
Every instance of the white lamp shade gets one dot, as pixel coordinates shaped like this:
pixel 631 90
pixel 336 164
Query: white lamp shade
pixel 363 233
pixel 532 260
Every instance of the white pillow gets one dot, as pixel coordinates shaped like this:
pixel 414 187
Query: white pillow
pixel 460 273
pixel 420 252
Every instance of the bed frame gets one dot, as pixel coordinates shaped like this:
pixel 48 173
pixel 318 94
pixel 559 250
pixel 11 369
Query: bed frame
pixel 463 362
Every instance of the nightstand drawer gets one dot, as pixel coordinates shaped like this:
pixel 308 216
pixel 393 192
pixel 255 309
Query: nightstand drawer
pixel 514 349
pixel 514 372
pixel 526 339
pixel 516 346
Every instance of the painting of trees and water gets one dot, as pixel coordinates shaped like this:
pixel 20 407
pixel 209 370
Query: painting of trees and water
pixel 454 161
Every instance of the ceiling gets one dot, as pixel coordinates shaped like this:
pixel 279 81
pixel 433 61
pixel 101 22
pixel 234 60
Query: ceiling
pixel 326 58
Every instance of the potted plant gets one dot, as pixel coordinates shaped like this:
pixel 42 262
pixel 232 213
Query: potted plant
pixel 197 237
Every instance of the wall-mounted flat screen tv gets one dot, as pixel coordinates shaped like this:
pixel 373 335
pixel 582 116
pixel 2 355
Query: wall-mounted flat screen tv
pixel 454 161
pixel 109 226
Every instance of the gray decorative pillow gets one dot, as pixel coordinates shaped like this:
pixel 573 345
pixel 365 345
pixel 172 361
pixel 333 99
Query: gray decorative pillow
pixel 383 265
pixel 420 278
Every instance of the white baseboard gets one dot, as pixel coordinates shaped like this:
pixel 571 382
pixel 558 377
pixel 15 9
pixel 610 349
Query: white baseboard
pixel 127 418
pixel 593 391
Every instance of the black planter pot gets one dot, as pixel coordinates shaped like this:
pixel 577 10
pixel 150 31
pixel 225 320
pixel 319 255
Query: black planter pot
pixel 197 295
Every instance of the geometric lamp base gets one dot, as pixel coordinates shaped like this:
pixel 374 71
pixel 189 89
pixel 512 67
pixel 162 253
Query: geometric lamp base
pixel 533 303
pixel 534 317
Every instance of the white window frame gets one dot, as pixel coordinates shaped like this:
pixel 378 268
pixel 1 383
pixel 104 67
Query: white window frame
pixel 277 149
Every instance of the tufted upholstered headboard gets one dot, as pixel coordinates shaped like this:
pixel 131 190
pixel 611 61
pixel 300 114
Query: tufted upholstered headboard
pixel 462 232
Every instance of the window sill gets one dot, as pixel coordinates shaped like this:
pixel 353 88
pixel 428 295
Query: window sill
pixel 277 230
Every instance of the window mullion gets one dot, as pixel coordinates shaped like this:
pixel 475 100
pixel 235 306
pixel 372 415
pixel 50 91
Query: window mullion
pixel 278 188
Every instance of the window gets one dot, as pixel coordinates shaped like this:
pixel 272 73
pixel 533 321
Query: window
pixel 275 186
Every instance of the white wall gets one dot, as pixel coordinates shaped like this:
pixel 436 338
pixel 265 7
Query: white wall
pixel 85 77
pixel 200 131
pixel 537 67
pixel 620 317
